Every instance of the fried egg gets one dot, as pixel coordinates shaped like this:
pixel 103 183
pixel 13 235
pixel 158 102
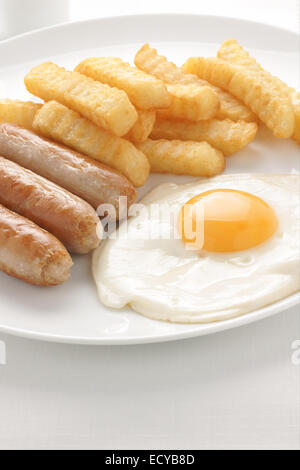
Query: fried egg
pixel 246 256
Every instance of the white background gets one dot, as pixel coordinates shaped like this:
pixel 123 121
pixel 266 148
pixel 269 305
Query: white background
pixel 237 389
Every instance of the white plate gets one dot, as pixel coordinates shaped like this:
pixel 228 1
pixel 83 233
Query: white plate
pixel 72 313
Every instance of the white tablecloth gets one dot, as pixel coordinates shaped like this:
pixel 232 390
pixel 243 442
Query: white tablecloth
pixel 237 389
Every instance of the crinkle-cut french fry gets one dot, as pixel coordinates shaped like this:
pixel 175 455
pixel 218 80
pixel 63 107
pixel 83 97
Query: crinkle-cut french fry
pixel 191 102
pixel 143 126
pixel 233 109
pixel 233 52
pixel 227 136
pixel 145 91
pixel 256 89
pixel 107 107
pixel 18 112
pixel 148 60
pixel 190 98
pixel 56 121
pixel 183 158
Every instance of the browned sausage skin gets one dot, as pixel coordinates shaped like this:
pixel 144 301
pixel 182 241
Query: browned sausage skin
pixel 72 220
pixel 31 254
pixel 95 183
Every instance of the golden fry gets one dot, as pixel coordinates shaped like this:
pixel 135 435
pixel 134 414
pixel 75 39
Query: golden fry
pixel 227 136
pixel 256 89
pixel 233 52
pixel 18 112
pixel 107 107
pixel 186 92
pixel 233 109
pixel 191 102
pixel 183 158
pixel 56 121
pixel 145 91
pixel 143 126
pixel 148 60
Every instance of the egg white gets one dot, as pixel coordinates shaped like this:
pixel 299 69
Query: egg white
pixel 162 280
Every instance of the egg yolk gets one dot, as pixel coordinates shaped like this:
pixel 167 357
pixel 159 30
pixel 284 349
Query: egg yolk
pixel 230 220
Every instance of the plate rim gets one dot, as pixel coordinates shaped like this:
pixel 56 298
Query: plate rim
pixel 199 330
pixel 74 24
pixel 210 328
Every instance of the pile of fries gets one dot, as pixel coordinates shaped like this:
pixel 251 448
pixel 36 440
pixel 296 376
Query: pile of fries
pixel 156 116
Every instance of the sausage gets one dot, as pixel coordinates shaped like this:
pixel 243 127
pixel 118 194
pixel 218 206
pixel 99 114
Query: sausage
pixel 72 220
pixel 30 253
pixel 95 183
